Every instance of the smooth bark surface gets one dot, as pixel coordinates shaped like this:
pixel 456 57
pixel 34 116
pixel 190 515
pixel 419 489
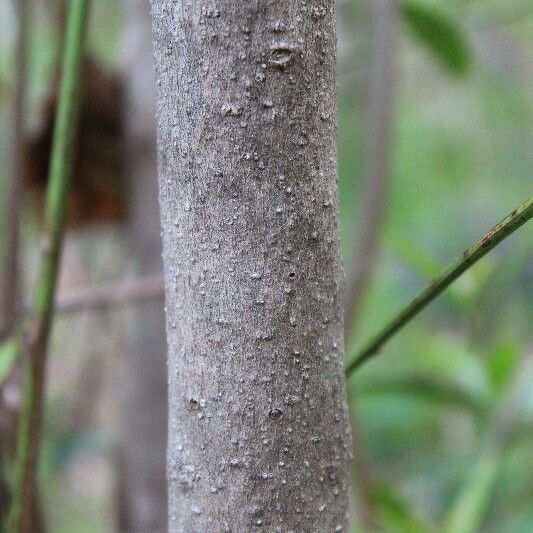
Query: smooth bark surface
pixel 259 435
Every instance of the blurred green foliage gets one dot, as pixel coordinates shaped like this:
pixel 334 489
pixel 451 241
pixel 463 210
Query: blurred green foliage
pixel 447 409
pixel 462 158
pixel 9 351
pixel 429 24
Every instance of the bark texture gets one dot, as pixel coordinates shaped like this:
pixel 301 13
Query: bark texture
pixel 144 406
pixel 259 435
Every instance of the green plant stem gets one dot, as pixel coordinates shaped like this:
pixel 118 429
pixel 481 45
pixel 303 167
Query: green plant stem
pixel 479 249
pixel 54 222
pixel 9 281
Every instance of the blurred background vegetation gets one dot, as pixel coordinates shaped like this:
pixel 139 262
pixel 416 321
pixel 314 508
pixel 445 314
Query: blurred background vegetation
pixel 445 414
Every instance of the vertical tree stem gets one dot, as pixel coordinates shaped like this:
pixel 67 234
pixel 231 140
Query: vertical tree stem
pixel 54 222
pixel 379 122
pixel 374 191
pixel 9 273
pixel 259 435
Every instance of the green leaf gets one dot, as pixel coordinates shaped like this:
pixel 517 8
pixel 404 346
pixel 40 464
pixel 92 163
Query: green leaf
pixel 501 363
pixel 473 501
pixel 9 352
pixel 439 33
pixel 395 515
pixel 425 387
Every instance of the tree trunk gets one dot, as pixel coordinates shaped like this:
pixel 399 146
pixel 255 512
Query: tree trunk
pixel 259 433
pixel 144 406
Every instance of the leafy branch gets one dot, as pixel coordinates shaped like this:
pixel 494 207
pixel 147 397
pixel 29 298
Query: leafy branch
pixel 479 249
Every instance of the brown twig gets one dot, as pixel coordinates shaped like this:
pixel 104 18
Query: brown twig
pixel 119 294
pixel 102 297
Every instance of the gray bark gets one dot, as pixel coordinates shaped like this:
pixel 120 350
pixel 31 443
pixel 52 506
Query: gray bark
pixel 258 429
pixel 144 406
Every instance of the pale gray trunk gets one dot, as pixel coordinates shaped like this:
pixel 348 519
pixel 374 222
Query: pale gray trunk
pixel 259 433
pixel 144 406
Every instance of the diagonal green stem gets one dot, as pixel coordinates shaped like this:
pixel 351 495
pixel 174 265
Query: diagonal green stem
pixel 484 245
pixel 24 495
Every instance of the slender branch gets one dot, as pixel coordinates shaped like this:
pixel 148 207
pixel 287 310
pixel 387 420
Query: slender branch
pixel 479 249
pixel 102 297
pixel 54 223
pixel 10 282
pixel 10 274
pixel 10 285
